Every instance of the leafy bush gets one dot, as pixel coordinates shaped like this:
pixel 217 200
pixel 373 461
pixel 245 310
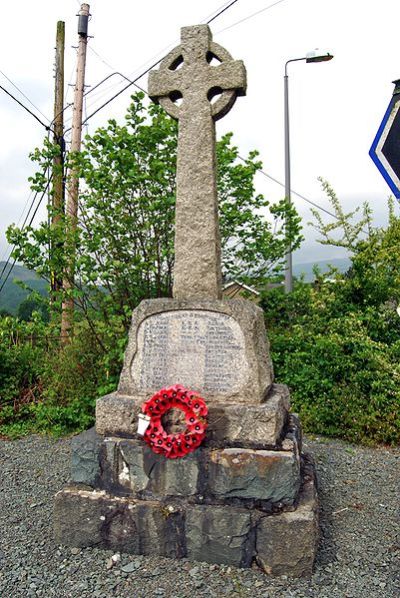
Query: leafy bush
pixel 337 344
pixel 45 389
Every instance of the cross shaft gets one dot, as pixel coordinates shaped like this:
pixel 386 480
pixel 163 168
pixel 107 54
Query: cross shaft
pixel 197 270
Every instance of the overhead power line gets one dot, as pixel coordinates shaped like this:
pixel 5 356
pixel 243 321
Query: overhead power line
pixel 8 273
pixel 254 14
pixel 3 257
pixel 315 205
pixel 136 79
pixel 25 108
pixel 309 201
pixel 23 226
pixel 24 95
pixel 101 58
pixel 221 12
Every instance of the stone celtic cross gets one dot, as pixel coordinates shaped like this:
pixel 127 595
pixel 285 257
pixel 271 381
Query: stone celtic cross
pixel 187 74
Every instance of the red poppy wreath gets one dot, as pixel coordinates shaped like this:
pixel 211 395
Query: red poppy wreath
pixel 177 445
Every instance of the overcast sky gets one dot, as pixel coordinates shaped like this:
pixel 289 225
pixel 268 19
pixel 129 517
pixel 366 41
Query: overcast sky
pixel 335 107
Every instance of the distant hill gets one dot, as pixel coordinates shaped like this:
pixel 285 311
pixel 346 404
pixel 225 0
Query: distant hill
pixel 342 264
pixel 12 294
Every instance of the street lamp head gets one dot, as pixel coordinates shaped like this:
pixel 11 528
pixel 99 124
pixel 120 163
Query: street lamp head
pixel 318 55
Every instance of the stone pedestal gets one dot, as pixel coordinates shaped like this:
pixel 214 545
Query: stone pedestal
pixel 247 494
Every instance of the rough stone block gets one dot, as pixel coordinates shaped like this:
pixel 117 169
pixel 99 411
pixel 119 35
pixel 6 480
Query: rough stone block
pixel 90 518
pixel 282 544
pixel 294 436
pixel 286 544
pixel 116 415
pixel 272 476
pixel 85 458
pixel 141 470
pixel 264 478
pixel 129 466
pixel 256 425
pixel 219 535
pixel 217 348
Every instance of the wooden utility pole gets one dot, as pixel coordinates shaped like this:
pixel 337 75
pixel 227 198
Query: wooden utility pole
pixel 58 161
pixel 67 316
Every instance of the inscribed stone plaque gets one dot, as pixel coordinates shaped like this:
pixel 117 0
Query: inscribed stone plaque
pixel 203 350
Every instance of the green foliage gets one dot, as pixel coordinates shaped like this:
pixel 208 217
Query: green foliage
pixel 337 344
pixel 45 389
pixel 32 304
pixel 344 224
pixel 253 249
pixel 126 223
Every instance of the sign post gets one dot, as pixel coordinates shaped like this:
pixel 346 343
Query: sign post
pixel 385 149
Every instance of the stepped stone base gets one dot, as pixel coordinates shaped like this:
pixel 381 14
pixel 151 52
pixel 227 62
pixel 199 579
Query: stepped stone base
pixel 247 494
pixel 283 543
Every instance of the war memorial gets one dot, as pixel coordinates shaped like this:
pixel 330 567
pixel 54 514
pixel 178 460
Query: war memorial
pixel 196 454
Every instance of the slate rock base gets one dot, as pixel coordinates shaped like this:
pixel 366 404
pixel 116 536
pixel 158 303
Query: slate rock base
pixel 281 544
pixel 267 479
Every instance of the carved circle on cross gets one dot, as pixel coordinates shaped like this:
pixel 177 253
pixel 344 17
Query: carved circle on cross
pixel 226 99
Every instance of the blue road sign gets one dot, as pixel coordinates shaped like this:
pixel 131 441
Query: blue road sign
pixel 385 149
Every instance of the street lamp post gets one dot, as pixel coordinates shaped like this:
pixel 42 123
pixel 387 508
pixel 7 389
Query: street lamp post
pixel 313 56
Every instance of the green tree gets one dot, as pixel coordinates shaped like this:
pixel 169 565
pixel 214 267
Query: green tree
pixel 125 238
pixel 337 344
pixel 374 277
pixel 30 305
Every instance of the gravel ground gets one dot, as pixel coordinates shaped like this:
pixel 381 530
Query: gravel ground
pixel 359 554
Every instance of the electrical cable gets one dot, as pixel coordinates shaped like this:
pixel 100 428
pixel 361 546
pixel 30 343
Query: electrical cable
pixel 45 171
pixel 134 81
pixel 222 11
pixel 250 16
pixel 8 273
pixel 101 58
pixel 215 11
pixel 130 82
pixel 30 223
pixel 25 206
pixel 48 128
pixel 315 205
pixel 19 220
pixel 22 227
pixel 24 95
pixel 121 91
